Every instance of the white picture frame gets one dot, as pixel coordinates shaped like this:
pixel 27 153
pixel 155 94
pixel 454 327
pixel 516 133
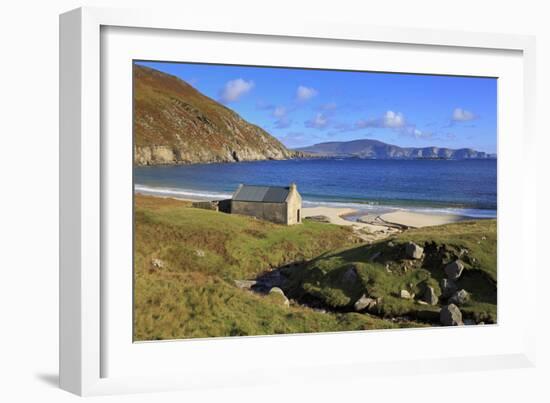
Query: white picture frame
pixel 88 320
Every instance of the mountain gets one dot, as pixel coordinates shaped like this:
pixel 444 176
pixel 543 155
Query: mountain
pixel 176 124
pixel 374 149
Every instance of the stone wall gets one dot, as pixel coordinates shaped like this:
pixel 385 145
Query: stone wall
pixel 294 207
pixel 274 212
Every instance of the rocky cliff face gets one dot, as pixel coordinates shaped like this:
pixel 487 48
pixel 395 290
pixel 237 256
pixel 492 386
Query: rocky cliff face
pixel 375 149
pixel 176 124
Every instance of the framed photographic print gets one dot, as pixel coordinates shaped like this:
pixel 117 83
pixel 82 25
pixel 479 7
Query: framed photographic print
pixel 243 202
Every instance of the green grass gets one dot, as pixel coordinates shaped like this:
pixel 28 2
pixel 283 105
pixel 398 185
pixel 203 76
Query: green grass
pixel 381 274
pixel 202 252
pixel 193 294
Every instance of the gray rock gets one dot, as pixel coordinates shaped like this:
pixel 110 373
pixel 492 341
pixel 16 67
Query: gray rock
pixel 405 294
pixel 463 252
pixel 448 288
pixel 365 303
pixel 280 294
pixel 429 296
pixel 450 315
pixel 391 244
pixel 157 264
pixel 454 269
pixel 460 297
pixel 245 284
pixel 413 251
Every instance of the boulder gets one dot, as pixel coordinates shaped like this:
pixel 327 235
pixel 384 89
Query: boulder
pixel 405 294
pixel 157 264
pixel 429 296
pixel 460 297
pixel 278 294
pixel 454 269
pixel 365 303
pixel 413 251
pixel 450 315
pixel 448 288
pixel 245 284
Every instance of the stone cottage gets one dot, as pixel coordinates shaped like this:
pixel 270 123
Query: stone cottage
pixel 281 205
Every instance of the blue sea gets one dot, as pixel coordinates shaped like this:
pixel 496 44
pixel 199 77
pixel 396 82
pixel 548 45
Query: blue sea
pixel 467 187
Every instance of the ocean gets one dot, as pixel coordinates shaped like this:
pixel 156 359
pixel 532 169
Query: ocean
pixel 465 187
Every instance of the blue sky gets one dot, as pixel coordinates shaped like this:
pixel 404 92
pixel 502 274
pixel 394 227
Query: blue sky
pixel 302 107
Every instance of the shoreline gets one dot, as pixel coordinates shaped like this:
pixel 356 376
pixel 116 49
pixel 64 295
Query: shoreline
pixel 371 226
pixel 360 209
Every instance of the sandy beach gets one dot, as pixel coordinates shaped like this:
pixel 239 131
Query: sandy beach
pixel 366 230
pixel 419 220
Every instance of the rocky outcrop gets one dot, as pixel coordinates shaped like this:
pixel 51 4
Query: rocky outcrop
pixel 245 284
pixel 413 251
pixel 176 124
pixel 450 315
pixel 460 297
pixel 429 296
pixel 365 303
pixel 448 288
pixel 279 296
pixel 157 264
pixel 404 294
pixel 454 269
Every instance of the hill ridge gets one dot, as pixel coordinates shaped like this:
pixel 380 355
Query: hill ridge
pixel 376 149
pixel 174 123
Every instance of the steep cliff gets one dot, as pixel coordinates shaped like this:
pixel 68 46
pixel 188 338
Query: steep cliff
pixel 176 124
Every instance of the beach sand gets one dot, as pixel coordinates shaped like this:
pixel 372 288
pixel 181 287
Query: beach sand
pixel 419 220
pixel 367 231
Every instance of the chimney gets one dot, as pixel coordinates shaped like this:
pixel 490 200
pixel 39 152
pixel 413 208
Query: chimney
pixel 293 187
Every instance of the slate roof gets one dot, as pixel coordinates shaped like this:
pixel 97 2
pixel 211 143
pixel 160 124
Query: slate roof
pixel 266 194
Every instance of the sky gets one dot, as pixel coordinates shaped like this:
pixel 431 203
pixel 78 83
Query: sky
pixel 302 107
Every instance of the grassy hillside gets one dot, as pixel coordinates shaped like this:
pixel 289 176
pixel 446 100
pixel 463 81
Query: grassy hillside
pixel 186 261
pixel 382 271
pixel 189 263
pixel 174 123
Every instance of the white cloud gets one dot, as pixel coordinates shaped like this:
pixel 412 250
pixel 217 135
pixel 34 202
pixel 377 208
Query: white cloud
pixel 393 120
pixel 320 121
pixel 235 89
pixel 390 120
pixel 462 115
pixel 304 93
pixel 412 131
